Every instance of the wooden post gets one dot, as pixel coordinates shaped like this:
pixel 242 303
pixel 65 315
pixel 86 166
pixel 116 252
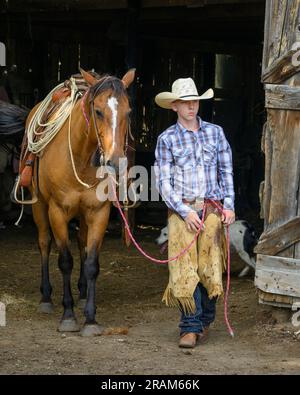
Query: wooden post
pixel 278 260
pixel 131 62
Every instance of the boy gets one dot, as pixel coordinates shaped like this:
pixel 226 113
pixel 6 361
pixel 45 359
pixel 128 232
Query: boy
pixel 194 164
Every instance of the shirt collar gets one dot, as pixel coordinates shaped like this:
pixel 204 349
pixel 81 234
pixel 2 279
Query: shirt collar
pixel 180 128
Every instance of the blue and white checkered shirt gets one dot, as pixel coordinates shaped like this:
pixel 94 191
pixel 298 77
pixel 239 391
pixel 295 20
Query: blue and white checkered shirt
pixel 193 165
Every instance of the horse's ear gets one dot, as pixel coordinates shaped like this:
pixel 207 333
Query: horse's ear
pixel 128 77
pixel 88 77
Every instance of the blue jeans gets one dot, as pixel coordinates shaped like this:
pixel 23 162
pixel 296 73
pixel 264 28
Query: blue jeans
pixel 205 312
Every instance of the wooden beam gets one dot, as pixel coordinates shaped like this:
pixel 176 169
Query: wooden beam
pixel 193 3
pixel 282 97
pixel 177 43
pixel 282 171
pixel 271 243
pixel 281 69
pixel 218 12
pixel 278 275
pixel 276 300
pixel 58 5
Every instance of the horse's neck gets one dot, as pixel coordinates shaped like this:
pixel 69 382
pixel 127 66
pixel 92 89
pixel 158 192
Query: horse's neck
pixel 83 141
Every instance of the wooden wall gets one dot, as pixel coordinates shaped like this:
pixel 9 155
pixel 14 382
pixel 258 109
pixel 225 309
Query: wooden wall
pixel 278 269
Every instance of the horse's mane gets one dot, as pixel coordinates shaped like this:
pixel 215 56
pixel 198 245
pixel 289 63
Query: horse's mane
pixel 106 82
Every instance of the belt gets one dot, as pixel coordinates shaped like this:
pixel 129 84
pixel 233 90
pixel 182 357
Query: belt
pixel 186 201
pixel 196 204
pixel 193 201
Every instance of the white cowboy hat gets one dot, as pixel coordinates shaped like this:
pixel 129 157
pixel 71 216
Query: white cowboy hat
pixel 182 89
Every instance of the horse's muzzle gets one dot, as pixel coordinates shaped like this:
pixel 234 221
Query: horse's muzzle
pixel 119 165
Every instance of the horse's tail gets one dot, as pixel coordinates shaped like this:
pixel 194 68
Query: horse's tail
pixel 12 120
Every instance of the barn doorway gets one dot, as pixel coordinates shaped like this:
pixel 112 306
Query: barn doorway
pixel 218 44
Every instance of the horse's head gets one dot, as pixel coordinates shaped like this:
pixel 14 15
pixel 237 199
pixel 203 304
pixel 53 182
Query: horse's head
pixel 110 109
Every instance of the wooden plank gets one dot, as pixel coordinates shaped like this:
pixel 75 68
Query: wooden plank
pixel 193 3
pixel 282 237
pixel 220 47
pixel 278 15
pixel 261 194
pixel 290 26
pixel 268 144
pixel 267 33
pixel 281 29
pixel 277 275
pixel 282 97
pixel 276 300
pixel 281 189
pixel 66 5
pixel 297 245
pixel 277 262
pixel 281 69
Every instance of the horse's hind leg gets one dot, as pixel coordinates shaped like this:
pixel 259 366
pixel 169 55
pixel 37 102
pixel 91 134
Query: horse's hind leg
pixel 40 215
pixel 82 245
pixel 59 226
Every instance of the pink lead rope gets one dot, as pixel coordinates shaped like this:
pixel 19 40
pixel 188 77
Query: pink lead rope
pixel 164 261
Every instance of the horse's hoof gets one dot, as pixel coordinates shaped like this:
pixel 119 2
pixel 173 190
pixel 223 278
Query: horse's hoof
pixel 46 307
pixel 81 303
pixel 68 325
pixel 91 330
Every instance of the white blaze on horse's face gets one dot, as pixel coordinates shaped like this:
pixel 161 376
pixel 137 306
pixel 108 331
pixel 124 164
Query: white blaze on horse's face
pixel 113 105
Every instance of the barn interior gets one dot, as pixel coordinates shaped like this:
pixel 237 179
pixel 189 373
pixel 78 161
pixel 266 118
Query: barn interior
pixel 218 43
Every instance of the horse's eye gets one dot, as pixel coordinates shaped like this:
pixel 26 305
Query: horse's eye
pixel 99 113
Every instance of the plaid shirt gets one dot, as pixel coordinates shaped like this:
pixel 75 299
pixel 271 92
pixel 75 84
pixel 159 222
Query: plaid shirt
pixel 192 165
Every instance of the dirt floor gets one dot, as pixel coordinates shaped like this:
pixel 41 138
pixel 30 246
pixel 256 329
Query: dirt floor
pixel 129 297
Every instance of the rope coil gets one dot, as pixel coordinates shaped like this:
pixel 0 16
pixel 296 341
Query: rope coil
pixel 53 126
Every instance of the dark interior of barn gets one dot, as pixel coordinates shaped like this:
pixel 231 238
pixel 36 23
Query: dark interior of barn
pixel 218 43
pixel 80 294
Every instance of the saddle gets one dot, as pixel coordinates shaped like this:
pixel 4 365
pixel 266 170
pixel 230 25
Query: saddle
pixel 28 159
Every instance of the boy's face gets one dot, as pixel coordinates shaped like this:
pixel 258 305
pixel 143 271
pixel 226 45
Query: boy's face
pixel 187 110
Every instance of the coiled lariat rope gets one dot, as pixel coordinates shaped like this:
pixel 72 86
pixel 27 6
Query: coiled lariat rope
pixel 52 126
pixel 164 261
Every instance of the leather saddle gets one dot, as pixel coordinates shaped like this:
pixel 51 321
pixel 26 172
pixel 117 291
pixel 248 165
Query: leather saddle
pixel 28 159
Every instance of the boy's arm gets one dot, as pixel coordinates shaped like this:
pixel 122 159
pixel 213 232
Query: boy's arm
pixel 225 171
pixel 163 171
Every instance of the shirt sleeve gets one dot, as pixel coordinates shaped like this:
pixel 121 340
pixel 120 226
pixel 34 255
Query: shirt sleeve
pixel 164 175
pixel 225 171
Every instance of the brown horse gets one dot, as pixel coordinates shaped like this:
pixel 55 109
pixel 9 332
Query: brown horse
pixel 62 197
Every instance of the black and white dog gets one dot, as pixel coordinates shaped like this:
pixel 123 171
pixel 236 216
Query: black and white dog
pixel 243 239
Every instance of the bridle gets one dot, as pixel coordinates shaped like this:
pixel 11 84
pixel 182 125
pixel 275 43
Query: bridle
pixel 91 97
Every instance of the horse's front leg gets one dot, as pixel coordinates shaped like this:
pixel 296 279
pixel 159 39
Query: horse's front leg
pixel 97 223
pixel 82 243
pixel 59 226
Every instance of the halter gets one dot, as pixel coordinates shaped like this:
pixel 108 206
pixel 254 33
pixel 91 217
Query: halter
pixel 91 102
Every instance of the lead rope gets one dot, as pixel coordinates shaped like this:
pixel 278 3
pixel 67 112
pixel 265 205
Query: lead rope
pixel 160 261
pixel 164 261
pixel 230 330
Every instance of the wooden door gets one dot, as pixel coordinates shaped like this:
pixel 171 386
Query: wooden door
pixel 278 260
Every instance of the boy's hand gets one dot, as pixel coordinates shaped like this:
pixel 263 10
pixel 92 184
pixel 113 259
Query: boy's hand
pixel 228 217
pixel 192 221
